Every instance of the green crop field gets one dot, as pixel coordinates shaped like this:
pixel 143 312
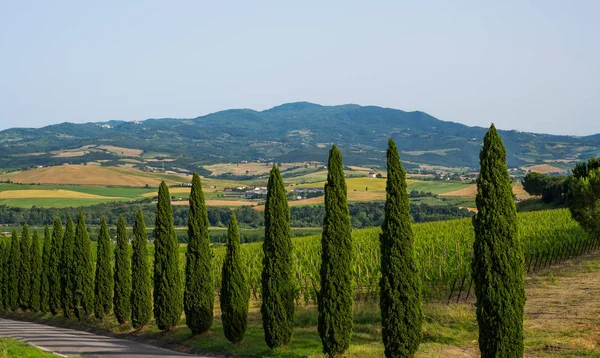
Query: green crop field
pixel 443 251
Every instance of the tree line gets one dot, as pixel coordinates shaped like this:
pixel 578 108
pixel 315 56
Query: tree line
pixel 68 284
pixel 362 214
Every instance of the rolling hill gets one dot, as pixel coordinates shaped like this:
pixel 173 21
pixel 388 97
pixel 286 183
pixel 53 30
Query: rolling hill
pixel 293 132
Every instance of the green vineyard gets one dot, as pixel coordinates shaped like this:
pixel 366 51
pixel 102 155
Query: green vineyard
pixel 443 251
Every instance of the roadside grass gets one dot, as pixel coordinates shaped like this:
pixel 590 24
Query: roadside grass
pixel 13 348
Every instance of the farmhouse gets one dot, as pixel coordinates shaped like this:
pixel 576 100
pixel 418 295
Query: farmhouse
pixel 372 175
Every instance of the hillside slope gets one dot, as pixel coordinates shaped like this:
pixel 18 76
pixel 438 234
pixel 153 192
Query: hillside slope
pixel 288 133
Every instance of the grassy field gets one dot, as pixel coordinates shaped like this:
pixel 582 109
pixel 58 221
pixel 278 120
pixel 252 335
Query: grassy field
pixel 13 348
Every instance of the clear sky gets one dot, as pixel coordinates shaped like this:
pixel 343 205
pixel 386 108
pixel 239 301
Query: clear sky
pixel 527 65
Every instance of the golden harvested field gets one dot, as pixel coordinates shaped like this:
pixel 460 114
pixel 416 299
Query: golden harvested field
pixel 247 168
pixel 467 192
pixel 91 175
pixel 520 192
pixel 360 184
pixel 543 168
pixel 126 152
pixel 50 194
pixel 360 169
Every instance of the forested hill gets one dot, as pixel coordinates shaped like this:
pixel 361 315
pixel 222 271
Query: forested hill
pixel 287 133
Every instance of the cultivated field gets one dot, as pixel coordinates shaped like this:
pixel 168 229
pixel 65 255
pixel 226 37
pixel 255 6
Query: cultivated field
pixel 82 185
pixel 543 169
pixel 248 168
pixel 91 175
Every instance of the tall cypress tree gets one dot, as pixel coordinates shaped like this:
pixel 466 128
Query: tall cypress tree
pixel 4 255
pixel 400 299
pixel 497 265
pixel 12 281
pixel 168 288
pixel 122 297
pixel 198 298
pixel 36 272
pixel 67 269
pixel 83 270
pixel 103 283
pixel 25 269
pixel 277 286
pixel 45 279
pixel 141 285
pixel 335 299
pixel 235 292
pixel 55 295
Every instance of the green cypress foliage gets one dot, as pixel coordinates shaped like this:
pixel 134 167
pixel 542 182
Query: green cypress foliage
pixel 277 307
pixel 4 257
pixel 55 294
pixel 12 281
pixel 67 268
pixel 25 269
pixel 141 286
pixel 45 279
pixel 36 272
pixel 335 299
pixel 198 298
pixel 4 254
pixel 235 292
pixel 168 288
pixel 400 299
pixel 122 297
pixel 83 270
pixel 497 265
pixel 103 283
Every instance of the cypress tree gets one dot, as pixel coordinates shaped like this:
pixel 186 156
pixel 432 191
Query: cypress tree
pixel 497 265
pixel 141 286
pixel 277 307
pixel 168 288
pixel 45 279
pixel 335 299
pixel 235 292
pixel 55 295
pixel 198 298
pixel 400 299
pixel 122 297
pixel 25 269
pixel 4 254
pixel 12 281
pixel 83 270
pixel 67 268
pixel 36 272
pixel 103 282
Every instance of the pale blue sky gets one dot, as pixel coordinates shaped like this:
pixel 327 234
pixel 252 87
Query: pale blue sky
pixel 528 65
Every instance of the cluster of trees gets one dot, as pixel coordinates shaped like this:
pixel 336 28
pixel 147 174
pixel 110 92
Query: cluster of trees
pixel 67 283
pixel 552 189
pixel 583 196
pixel 362 214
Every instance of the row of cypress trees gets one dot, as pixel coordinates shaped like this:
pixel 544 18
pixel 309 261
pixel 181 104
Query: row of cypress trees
pixel 195 295
pixel 497 267
pixel 59 276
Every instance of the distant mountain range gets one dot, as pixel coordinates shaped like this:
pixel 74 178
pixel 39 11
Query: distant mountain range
pixel 291 132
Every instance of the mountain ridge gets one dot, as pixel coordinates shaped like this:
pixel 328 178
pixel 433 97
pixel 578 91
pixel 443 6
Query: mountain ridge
pixel 297 131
